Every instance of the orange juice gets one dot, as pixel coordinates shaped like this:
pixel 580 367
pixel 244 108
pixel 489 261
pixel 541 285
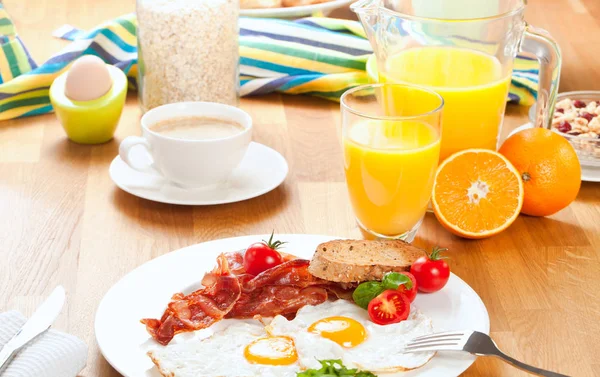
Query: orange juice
pixel 390 167
pixel 473 85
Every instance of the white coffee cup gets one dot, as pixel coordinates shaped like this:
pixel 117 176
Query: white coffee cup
pixel 189 162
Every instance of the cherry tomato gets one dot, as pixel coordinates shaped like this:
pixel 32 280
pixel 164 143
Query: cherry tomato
pixel 411 294
pixel 262 256
pixel 389 307
pixel 432 272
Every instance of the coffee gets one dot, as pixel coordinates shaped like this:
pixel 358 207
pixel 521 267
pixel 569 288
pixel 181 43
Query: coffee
pixel 197 128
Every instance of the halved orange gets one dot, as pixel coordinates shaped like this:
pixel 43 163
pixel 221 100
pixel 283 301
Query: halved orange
pixel 477 193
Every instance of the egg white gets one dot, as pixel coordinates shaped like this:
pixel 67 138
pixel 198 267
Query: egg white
pixel 381 352
pixel 219 350
pixel 221 354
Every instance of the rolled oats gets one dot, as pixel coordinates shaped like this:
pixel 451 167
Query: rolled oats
pixel 188 51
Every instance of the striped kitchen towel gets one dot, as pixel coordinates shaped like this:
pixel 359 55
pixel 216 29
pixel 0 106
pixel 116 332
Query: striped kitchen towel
pixel 315 56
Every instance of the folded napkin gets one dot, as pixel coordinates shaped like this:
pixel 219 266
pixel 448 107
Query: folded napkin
pixel 315 56
pixel 53 354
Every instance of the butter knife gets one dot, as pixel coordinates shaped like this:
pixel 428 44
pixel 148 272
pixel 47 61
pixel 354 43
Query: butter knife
pixel 37 324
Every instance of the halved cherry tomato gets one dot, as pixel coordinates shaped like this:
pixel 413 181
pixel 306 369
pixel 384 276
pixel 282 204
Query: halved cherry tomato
pixel 261 256
pixel 411 294
pixel 432 272
pixel 389 307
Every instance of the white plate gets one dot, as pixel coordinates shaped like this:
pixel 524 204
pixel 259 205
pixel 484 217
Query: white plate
pixel 322 9
pixel 145 291
pixel 589 173
pixel 262 170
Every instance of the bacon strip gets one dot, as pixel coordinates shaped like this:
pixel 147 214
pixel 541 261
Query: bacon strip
pixel 230 292
pixel 199 309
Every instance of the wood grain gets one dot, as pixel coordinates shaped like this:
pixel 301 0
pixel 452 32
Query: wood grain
pixel 62 220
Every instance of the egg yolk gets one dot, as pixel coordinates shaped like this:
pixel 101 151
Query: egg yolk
pixel 275 350
pixel 345 331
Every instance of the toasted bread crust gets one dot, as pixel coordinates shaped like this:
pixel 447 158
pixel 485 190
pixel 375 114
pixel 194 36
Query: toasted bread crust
pixel 355 261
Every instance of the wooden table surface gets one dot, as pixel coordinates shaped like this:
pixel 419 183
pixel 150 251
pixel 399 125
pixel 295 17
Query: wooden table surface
pixel 63 221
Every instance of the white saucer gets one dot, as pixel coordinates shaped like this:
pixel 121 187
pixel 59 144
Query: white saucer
pixel 589 173
pixel 262 170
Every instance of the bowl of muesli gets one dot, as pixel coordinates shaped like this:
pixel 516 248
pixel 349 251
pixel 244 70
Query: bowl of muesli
pixel 577 118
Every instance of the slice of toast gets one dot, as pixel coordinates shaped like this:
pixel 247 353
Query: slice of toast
pixel 355 261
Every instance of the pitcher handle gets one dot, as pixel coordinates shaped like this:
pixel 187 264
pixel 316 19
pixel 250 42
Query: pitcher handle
pixel 539 43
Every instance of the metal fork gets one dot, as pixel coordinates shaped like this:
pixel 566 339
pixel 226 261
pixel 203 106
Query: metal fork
pixel 474 342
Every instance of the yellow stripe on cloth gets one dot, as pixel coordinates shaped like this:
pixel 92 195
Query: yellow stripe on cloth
pixel 5 70
pixel 18 111
pixel 292 61
pixel 331 83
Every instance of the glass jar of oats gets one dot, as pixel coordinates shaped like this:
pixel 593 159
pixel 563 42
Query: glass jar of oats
pixel 187 51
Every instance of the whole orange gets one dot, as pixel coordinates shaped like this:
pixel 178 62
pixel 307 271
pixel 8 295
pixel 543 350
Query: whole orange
pixel 549 168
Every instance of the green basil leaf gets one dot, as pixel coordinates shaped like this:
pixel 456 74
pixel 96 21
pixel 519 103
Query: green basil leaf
pixel 365 292
pixel 334 368
pixel 393 280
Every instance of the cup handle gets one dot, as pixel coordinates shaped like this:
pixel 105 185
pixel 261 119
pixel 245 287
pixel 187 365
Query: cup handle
pixel 539 43
pixel 125 148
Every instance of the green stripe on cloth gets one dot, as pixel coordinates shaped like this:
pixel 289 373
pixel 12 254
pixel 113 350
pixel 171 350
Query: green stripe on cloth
pixel 309 53
pixel 6 27
pixel 12 59
pixel 130 27
pixel 21 57
pixel 44 100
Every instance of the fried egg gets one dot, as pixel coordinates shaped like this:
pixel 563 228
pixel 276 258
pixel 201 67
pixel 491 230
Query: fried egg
pixel 342 330
pixel 238 348
pixel 332 330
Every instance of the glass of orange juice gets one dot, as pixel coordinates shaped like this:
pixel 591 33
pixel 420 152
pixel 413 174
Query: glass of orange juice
pixel 391 141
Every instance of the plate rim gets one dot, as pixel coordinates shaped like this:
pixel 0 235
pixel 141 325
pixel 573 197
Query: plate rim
pixel 245 238
pixel 285 173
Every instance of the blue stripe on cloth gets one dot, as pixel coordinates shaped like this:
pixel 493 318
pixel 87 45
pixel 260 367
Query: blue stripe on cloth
pixel 64 58
pixel 132 82
pixel 527 88
pixel 50 68
pixel 275 67
pixel 526 58
pixel 118 41
pixel 32 63
pixel 299 81
pixel 295 24
pixel 4 96
pixel 125 65
pixel 38 111
pixel 308 42
pixel 271 86
pixel 95 49
pixel 113 38
pixel 73 34
pixel 282 83
pixel 526 71
pixel 317 26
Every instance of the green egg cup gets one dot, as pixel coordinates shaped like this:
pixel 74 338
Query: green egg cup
pixel 90 122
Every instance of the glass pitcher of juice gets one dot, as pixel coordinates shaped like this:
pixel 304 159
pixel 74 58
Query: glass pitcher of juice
pixel 464 50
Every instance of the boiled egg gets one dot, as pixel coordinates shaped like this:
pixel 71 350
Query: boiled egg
pixel 87 79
